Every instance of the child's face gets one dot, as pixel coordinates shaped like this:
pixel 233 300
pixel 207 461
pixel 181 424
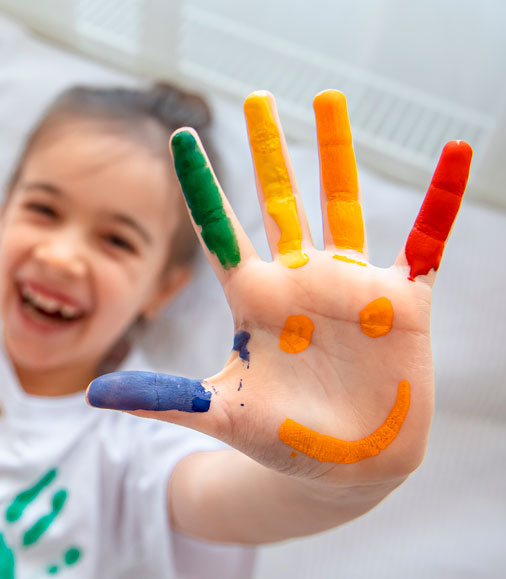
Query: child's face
pixel 83 241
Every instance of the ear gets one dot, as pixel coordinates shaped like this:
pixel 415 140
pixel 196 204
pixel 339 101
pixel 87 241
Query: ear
pixel 169 287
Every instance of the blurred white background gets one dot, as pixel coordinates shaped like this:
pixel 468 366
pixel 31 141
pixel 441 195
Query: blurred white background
pixel 416 74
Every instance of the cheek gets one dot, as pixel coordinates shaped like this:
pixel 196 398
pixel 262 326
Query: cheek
pixel 121 293
pixel 13 245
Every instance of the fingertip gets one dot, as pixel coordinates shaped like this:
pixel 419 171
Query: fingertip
pixel 183 139
pixel 332 121
pixel 259 105
pixel 329 97
pixel 459 149
pixel 258 96
pixel 452 171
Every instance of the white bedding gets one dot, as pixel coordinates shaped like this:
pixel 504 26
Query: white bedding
pixel 449 520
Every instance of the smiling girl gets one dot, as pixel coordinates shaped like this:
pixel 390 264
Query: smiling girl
pixel 94 238
pixel 326 399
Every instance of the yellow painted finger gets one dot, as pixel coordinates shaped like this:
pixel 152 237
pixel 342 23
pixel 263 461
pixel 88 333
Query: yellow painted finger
pixel 274 177
pixel 330 449
pixel 339 170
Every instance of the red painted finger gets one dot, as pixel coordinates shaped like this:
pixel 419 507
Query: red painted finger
pixel 426 241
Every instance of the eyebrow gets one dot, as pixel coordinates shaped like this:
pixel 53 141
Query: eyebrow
pixel 119 217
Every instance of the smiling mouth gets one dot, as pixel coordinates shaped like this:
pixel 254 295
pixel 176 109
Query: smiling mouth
pixel 47 309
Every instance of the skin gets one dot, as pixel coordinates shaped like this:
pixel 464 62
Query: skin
pixel 58 230
pixel 342 386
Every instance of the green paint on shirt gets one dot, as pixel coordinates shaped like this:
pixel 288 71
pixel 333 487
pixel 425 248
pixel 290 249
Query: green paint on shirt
pixel 72 556
pixel 20 503
pixel 6 560
pixel 204 199
pixel 35 532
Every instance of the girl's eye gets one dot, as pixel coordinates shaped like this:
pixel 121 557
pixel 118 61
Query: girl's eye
pixel 120 242
pixel 42 208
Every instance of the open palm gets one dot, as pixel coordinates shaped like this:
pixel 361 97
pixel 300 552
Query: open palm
pixel 331 374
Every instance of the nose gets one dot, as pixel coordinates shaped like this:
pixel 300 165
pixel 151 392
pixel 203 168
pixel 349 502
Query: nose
pixel 62 251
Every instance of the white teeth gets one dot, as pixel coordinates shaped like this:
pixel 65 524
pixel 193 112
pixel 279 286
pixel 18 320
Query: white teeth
pixel 49 305
pixel 68 311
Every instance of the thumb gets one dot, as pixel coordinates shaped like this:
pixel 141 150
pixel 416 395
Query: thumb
pixel 149 391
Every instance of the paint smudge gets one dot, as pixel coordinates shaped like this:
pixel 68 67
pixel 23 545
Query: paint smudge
pixel 241 340
pixel 70 557
pixel 326 448
pixel 7 560
pixel 34 533
pixel 349 260
pixel 129 390
pixel 240 385
pixel 377 318
pixel 14 513
pixel 204 199
pixel 297 334
pixel 426 241
pixel 274 177
pixel 21 501
pixel 339 170
pixel 293 454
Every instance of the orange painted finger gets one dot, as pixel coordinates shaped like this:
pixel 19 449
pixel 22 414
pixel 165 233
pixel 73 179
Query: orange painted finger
pixel 426 241
pixel 275 177
pixel 338 170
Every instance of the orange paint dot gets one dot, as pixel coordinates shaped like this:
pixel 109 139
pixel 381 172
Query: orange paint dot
pixel 293 454
pixel 377 318
pixel 329 449
pixel 296 335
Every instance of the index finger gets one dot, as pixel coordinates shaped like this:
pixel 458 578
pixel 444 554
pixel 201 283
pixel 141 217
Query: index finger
pixel 220 231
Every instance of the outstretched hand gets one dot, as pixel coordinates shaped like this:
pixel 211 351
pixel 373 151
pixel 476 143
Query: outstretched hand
pixel 331 373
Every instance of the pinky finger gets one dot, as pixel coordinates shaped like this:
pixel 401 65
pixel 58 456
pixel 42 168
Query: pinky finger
pixel 426 242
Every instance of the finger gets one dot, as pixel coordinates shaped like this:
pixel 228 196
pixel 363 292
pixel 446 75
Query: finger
pixel 276 184
pixel 155 395
pixel 218 228
pixel 343 223
pixel 426 242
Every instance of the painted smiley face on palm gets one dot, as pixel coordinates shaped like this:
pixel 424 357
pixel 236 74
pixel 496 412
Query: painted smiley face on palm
pixel 343 231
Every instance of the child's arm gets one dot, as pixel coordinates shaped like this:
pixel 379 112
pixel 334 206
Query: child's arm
pixel 329 387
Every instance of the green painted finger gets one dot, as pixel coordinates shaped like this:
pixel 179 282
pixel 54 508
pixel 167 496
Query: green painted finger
pixel 204 199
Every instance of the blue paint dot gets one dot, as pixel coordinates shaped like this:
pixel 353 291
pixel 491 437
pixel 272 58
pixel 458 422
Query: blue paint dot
pixel 241 340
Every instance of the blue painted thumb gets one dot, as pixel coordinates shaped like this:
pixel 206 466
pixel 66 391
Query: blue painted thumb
pixel 148 391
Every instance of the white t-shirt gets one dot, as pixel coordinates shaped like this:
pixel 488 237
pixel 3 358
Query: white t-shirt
pixel 83 492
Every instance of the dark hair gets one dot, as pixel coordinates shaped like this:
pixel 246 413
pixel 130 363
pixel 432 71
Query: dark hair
pixel 146 116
